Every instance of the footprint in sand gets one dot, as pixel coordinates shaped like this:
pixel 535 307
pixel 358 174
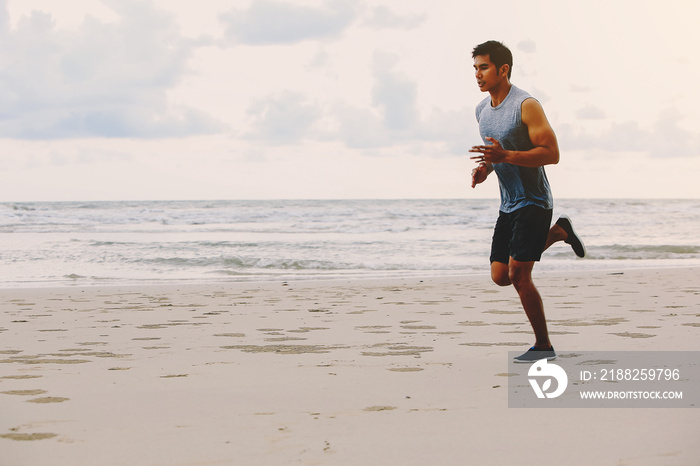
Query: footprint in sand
pixel 634 335
pixel 505 343
pixel 21 377
pixel 23 392
pixel 48 399
pixel 28 437
pixel 380 408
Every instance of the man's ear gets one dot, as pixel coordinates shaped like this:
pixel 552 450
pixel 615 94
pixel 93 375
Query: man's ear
pixel 504 70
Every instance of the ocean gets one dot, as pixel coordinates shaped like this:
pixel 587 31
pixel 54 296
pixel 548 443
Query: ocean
pixel 90 243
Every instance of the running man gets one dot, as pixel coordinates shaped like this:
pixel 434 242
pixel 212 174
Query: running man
pixel 519 142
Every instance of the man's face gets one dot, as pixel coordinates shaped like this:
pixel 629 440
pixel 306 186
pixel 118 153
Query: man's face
pixel 485 72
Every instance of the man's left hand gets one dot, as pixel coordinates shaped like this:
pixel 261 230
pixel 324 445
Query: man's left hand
pixel 493 153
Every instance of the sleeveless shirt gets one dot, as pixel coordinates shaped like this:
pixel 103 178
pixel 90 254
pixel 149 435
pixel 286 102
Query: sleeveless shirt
pixel 520 186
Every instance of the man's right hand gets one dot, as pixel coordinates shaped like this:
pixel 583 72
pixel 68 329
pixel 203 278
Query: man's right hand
pixel 479 174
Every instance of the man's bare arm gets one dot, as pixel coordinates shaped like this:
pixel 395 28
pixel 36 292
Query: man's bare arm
pixel 544 152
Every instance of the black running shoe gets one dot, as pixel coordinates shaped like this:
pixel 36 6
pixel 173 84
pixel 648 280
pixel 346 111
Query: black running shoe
pixel 572 238
pixel 535 354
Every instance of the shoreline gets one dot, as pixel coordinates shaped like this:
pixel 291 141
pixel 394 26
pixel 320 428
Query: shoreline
pixel 427 275
pixel 392 371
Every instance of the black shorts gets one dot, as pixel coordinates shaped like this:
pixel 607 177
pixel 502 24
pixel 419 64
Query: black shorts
pixel 521 235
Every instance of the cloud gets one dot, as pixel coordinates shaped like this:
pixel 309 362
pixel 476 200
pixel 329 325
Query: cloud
pixel 393 93
pixel 4 17
pixel 590 113
pixel 579 89
pixel 383 18
pixel 99 80
pixel 268 22
pixel 666 138
pixel 392 119
pixel 671 140
pixel 283 118
pixel 360 128
pixel 527 46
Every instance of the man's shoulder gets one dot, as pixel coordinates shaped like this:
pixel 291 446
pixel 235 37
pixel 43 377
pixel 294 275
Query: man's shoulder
pixel 481 105
pixel 519 94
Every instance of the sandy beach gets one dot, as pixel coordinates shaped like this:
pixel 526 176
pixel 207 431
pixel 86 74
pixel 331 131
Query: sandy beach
pixel 409 371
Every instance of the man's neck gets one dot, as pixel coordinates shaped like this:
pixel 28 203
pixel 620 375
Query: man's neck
pixel 499 94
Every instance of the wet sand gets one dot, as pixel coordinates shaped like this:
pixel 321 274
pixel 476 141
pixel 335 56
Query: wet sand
pixel 403 371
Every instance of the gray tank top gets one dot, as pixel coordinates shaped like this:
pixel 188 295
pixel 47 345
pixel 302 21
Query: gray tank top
pixel 520 186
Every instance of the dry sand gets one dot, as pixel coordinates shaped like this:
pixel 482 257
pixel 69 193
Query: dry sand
pixel 390 372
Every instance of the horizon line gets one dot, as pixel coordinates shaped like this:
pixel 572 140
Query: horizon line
pixel 291 199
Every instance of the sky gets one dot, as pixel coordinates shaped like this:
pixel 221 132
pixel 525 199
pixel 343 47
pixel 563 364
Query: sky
pixel 335 99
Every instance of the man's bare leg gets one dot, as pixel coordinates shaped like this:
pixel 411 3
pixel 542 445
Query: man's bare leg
pixel 556 234
pixel 519 274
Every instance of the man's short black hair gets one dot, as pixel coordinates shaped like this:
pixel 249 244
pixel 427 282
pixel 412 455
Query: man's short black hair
pixel 498 54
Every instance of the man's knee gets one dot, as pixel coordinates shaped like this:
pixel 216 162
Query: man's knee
pixel 519 274
pixel 500 274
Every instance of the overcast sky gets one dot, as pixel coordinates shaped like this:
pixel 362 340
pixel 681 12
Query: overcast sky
pixel 265 99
